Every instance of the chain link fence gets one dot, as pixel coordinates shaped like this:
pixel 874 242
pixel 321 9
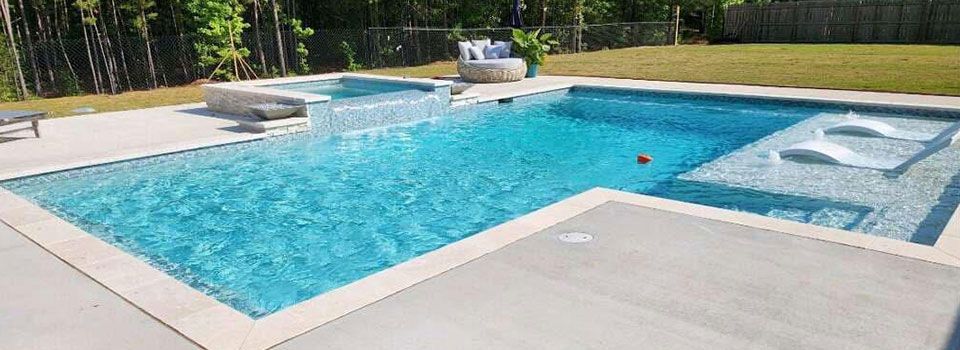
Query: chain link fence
pixel 390 47
pixel 117 64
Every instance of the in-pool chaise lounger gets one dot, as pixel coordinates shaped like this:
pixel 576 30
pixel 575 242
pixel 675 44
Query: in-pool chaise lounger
pixel 879 129
pixel 833 153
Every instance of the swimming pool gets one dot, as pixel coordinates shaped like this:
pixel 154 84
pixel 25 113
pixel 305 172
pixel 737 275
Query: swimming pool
pixel 263 225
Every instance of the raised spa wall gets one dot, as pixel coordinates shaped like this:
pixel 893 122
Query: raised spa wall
pixel 320 114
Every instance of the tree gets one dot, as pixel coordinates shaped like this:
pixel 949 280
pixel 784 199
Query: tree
pixel 60 24
pixel 12 47
pixel 31 52
pixel 276 29
pixel 142 10
pixel 8 86
pixel 220 24
pixel 85 21
pixel 300 33
pixel 259 37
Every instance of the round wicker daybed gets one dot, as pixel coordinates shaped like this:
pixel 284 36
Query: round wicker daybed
pixel 500 70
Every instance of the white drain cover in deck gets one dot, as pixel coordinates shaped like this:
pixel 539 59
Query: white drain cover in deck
pixel 575 237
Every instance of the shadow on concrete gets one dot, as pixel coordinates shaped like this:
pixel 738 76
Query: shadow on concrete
pixel 953 343
pixel 207 113
pixel 235 128
pixel 13 134
pixel 201 111
pixel 6 138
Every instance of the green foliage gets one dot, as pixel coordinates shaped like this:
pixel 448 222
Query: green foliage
pixel 301 33
pixel 67 84
pixel 349 55
pixel 220 25
pixel 717 9
pixel 456 34
pixel 134 7
pixel 533 46
pixel 88 7
pixel 8 87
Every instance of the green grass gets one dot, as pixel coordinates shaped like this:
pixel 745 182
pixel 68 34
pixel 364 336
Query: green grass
pixel 920 69
pixel 894 68
pixel 63 106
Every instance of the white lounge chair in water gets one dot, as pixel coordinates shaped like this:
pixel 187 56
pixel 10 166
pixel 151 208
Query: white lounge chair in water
pixel 877 128
pixel 833 153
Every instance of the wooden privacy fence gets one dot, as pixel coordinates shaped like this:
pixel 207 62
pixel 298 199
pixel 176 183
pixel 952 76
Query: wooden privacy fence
pixel 845 21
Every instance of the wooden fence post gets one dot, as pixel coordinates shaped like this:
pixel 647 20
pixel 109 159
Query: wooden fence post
pixel 925 24
pixel 676 27
pixel 856 22
pixel 796 20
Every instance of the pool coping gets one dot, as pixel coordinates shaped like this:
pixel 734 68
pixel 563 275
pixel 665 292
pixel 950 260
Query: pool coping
pixel 214 325
pixel 266 85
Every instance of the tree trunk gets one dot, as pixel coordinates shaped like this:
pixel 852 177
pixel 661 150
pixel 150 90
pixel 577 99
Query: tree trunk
pixel 123 54
pixel 11 42
pixel 145 33
pixel 94 71
pixel 44 30
pixel 176 28
pixel 578 21
pixel 63 50
pixel 276 28
pixel 543 13
pixel 256 33
pixel 106 52
pixel 31 53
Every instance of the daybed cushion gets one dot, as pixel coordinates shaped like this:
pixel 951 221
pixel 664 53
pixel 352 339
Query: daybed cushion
pixel 481 44
pixel 497 63
pixel 507 45
pixel 492 51
pixel 476 53
pixel 464 49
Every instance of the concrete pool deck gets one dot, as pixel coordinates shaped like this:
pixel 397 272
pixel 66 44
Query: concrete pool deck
pixel 654 279
pixel 649 278
pixel 46 304
pixel 92 139
pixel 88 140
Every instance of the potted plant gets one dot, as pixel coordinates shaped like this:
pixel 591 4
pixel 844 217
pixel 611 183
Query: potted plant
pixel 532 47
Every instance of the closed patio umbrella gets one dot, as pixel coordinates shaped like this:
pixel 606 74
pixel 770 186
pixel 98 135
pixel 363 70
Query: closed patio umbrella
pixel 516 20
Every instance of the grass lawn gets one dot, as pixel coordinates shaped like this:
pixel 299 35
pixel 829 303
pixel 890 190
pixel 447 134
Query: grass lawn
pixel 894 68
pixel 63 106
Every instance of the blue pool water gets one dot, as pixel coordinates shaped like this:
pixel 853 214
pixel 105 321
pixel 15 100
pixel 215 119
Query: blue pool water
pixel 264 225
pixel 346 88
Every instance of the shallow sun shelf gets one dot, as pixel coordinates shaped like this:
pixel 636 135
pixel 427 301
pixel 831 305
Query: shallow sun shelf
pixel 833 153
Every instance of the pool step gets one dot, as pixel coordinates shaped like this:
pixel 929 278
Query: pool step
pixel 464 99
pixel 276 126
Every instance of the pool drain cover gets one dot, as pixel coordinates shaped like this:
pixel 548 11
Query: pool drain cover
pixel 575 237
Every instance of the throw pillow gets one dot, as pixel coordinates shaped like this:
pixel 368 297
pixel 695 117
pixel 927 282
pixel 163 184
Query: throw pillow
pixel 476 53
pixel 480 43
pixel 492 51
pixel 506 52
pixel 464 50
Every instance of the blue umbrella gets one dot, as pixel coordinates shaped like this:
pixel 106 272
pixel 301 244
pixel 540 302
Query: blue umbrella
pixel 516 20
